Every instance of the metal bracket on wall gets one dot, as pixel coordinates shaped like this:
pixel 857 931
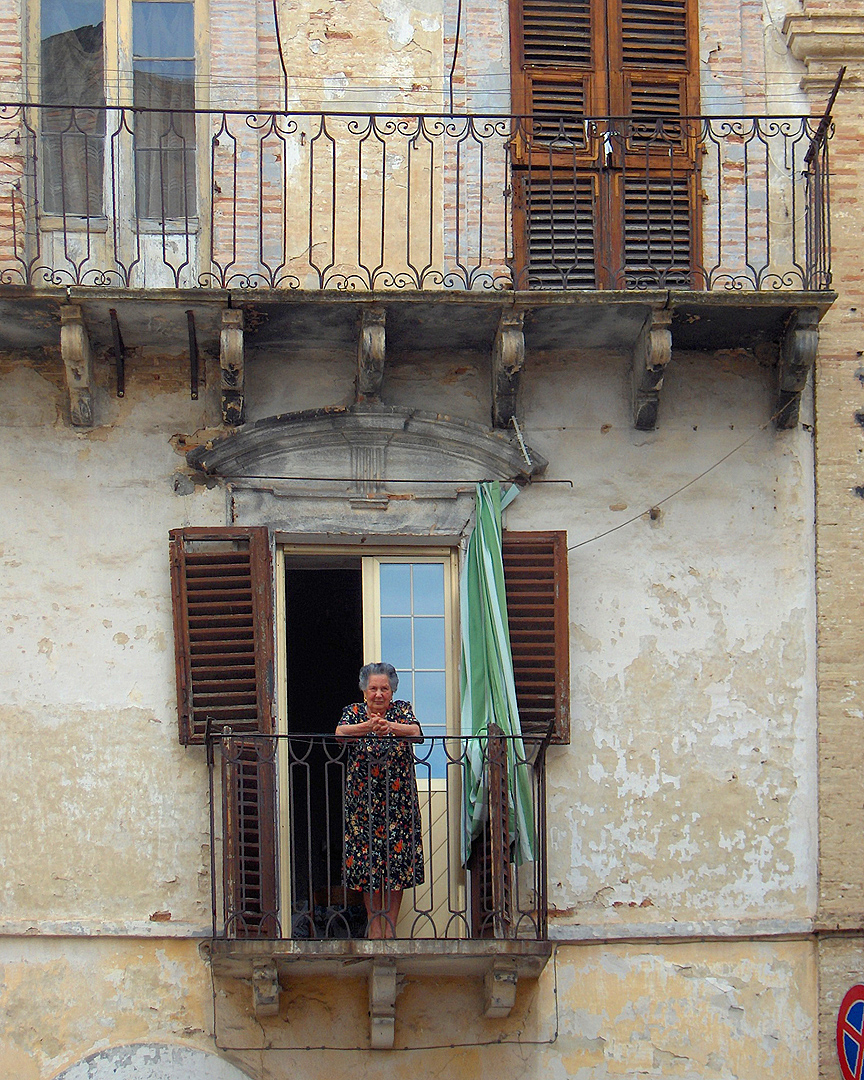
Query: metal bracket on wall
pixel 193 355
pixel 119 353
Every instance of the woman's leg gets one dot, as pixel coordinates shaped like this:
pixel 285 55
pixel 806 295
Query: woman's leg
pixel 382 912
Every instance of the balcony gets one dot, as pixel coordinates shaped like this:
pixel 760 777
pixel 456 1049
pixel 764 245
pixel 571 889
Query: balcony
pixel 300 201
pixel 283 907
pixel 454 232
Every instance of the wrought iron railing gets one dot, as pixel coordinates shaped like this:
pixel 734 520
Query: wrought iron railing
pixel 291 814
pixel 355 201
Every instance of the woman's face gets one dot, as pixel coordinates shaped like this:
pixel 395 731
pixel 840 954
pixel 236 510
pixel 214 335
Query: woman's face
pixel 378 694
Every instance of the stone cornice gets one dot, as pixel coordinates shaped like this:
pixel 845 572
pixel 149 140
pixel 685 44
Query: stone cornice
pixel 825 42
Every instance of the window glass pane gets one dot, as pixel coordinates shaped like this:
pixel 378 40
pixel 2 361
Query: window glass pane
pixel 395 589
pixel 163 30
pixel 396 645
pixel 60 16
pixel 429 643
pixel 430 701
pixel 163 45
pixel 72 72
pixel 428 589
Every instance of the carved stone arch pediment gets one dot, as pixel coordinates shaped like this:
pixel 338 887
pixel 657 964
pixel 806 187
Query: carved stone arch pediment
pixel 363 468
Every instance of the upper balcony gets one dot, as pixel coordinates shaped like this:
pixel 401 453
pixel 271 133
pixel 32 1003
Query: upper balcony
pixel 135 199
pixel 449 224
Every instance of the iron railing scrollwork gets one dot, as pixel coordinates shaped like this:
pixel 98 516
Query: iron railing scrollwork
pixel 297 201
pixel 491 886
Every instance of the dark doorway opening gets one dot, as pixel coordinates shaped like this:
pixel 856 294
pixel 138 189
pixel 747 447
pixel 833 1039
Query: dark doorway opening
pixel 324 647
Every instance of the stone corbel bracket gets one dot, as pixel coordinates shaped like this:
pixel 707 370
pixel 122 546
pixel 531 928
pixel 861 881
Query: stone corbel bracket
pixel 651 355
pixel 265 988
pixel 78 362
pixel 233 368
pixel 383 987
pixel 508 359
pixel 797 357
pixel 371 354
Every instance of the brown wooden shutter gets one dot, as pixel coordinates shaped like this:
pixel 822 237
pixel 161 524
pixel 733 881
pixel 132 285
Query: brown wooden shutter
pixel 222 586
pixel 619 196
pixel 491 875
pixel 249 837
pixel 535 579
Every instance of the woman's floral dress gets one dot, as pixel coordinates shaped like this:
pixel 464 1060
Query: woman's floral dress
pixel 383 841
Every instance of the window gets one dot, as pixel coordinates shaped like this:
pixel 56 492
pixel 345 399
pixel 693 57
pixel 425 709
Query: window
pixel 608 203
pixel 72 67
pixel 81 70
pixel 163 78
pixel 352 606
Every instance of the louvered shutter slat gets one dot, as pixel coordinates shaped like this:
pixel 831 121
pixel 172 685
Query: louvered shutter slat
pixel 560 214
pixel 535 580
pixel 249 787
pixel 222 582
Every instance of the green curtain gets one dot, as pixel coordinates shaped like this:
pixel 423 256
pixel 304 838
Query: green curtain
pixel 487 681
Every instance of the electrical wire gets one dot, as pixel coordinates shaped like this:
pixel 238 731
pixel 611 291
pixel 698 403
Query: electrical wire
pixel 677 491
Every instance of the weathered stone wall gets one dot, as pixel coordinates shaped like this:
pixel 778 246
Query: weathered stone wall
pixel 692 1010
pixel 685 803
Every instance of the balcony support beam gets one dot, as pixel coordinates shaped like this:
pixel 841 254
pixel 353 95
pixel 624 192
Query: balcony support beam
pixel 78 362
pixel 265 988
pixel 233 367
pixel 508 359
pixel 651 354
pixel 382 1004
pixel 797 357
pixel 371 354
pixel 499 987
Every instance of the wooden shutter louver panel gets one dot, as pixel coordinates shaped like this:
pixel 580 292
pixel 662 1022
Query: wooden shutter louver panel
pixel 557 114
pixel 535 579
pixel 491 874
pixel 556 33
pixel 249 801
pixel 655 34
pixel 223 621
pixel 560 229
pixel 658 229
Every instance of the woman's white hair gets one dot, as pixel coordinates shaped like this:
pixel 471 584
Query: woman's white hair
pixel 368 670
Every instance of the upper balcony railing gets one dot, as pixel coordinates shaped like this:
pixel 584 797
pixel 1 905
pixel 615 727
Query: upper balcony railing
pixel 297 820
pixel 132 198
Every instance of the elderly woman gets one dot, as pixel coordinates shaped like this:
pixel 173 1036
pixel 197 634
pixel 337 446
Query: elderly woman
pixel 383 845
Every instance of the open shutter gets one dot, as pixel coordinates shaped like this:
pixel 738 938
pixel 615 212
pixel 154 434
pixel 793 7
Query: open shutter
pixel 222 586
pixel 535 580
pixel 249 804
pixel 491 874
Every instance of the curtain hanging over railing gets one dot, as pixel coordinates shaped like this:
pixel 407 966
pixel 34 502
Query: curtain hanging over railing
pixel 487 681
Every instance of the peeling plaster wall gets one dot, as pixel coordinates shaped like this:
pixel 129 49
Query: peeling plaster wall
pixel 693 668
pixel 695 1010
pixel 685 803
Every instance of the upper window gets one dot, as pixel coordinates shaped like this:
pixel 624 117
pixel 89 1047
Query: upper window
pixel 163 65
pixel 72 66
pixel 81 69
